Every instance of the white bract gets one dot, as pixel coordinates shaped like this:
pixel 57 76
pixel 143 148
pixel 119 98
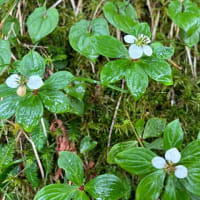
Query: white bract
pixel 13 81
pixel 139 46
pixel 173 156
pixel 34 82
pixel 181 171
pixel 159 162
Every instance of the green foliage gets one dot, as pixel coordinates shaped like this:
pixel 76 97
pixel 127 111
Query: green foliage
pixel 42 22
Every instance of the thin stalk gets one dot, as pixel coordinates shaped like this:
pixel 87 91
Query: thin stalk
pixel 135 132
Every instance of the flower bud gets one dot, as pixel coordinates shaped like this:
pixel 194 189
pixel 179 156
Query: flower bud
pixel 21 90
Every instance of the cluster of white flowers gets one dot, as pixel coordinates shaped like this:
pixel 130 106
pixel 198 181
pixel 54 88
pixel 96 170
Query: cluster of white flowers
pixel 34 82
pixel 139 46
pixel 173 156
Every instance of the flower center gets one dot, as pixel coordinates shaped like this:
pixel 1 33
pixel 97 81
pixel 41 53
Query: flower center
pixel 142 40
pixel 169 168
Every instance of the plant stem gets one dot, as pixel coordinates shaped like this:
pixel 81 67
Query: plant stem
pixel 114 118
pixel 89 80
pixel 36 155
pixel 135 132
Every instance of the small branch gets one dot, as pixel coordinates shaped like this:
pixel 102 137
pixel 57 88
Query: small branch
pixel 190 60
pixel 151 13
pixel 97 8
pixel 73 5
pixel 36 155
pixel 155 25
pixel 174 64
pixel 171 33
pixel 93 67
pixel 78 8
pixel 55 4
pixel 114 118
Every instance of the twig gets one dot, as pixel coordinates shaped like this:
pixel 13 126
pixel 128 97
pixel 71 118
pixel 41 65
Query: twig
pixel 55 4
pixel 43 127
pixel 36 155
pixel 136 135
pixel 174 64
pixel 79 5
pixel 73 5
pixel 155 25
pixel 97 8
pixel 190 60
pixel 151 13
pixel 195 60
pixel 171 33
pixel 114 118
pixel 93 67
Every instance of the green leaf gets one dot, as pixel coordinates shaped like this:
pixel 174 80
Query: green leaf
pixel 191 182
pixel 3 1
pixel 173 135
pixel 139 126
pixel 80 36
pixel 29 112
pixel 56 192
pixel 6 154
pixel 73 167
pixel 156 144
pixel 157 69
pixel 87 144
pixel 191 39
pixel 154 127
pixel 114 71
pixel 30 171
pixel 122 15
pixel 81 195
pixel 136 160
pixel 186 18
pixel 38 136
pixel 120 147
pixel 42 22
pixel 5 55
pixel 141 28
pixel 106 187
pixel 76 106
pixel 136 80
pixel 109 46
pixel 162 52
pixel 55 101
pixel 76 89
pixel 58 80
pixel 8 106
pixel 32 64
pixel 191 153
pixel 11 23
pixel 100 27
pixel 172 192
pixel 6 91
pixel 151 186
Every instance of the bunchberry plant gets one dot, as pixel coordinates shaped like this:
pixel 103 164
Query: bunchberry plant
pixel 172 176
pixel 106 186
pixel 141 61
pixel 186 15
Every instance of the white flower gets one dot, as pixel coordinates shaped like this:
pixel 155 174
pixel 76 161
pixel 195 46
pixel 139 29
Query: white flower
pixel 158 162
pixel 139 46
pixel 35 82
pixel 13 81
pixel 173 156
pixel 181 171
